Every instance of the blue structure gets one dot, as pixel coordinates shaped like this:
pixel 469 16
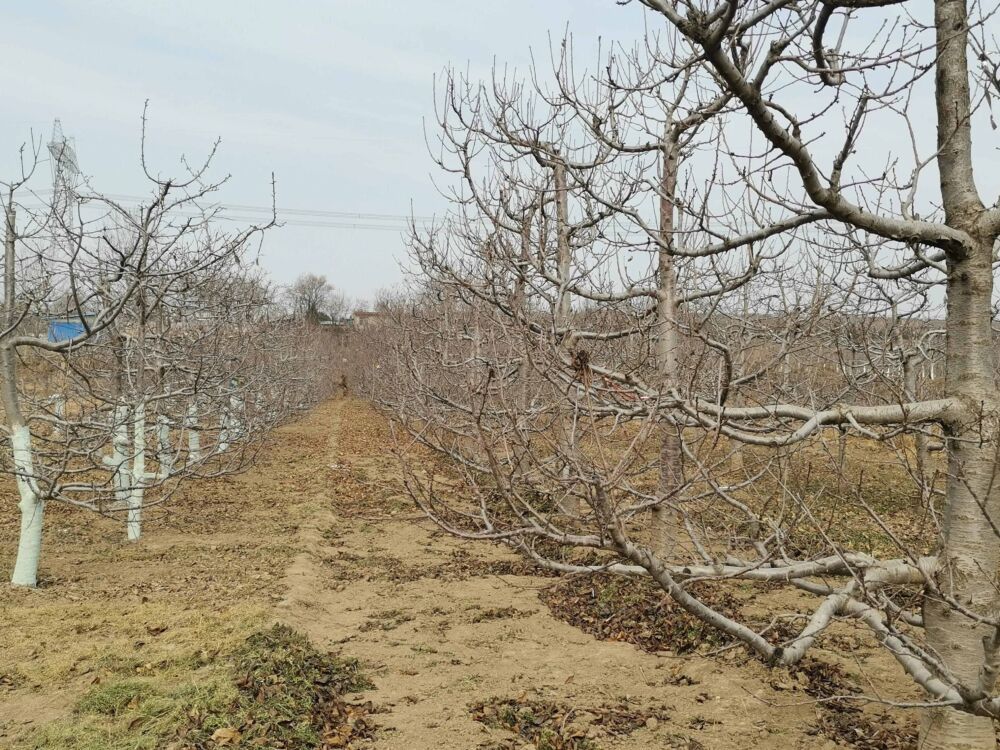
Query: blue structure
pixel 63 330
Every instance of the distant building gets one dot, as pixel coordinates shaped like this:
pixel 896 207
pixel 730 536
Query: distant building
pixel 364 319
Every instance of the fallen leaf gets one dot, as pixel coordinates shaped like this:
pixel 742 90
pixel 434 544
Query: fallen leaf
pixel 226 735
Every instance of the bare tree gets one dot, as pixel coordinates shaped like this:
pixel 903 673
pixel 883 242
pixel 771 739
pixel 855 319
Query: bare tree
pixel 739 306
pixel 171 370
pixel 313 298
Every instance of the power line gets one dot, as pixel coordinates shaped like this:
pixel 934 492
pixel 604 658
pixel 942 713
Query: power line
pixel 321 224
pixel 386 227
pixel 305 212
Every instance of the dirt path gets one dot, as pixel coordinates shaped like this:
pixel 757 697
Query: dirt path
pixel 317 535
pixel 442 632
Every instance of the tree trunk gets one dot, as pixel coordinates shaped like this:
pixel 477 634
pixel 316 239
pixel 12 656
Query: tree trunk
pixel 163 453
pixel 563 318
pixel 970 552
pixel 133 523
pixel 666 528
pixel 59 412
pixel 31 505
pixel 119 455
pixel 224 431
pixel 518 306
pixel 194 438
pixel 920 439
pixel 237 411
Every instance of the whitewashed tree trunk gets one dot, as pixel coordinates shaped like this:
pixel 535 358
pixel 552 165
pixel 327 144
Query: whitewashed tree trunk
pixel 133 523
pixel 31 504
pixel 29 546
pixel 236 409
pixel 194 437
pixel 163 453
pixel 119 455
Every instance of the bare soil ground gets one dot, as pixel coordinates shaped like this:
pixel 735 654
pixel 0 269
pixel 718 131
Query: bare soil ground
pixel 458 640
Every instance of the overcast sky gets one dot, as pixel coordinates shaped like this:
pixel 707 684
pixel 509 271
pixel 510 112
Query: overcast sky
pixel 330 95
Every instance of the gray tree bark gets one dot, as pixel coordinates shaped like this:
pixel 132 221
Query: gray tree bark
pixel 970 553
pixel 667 525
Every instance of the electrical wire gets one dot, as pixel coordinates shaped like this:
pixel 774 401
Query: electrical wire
pixel 402 220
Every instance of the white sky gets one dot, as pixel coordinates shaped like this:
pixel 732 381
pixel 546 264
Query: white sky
pixel 329 95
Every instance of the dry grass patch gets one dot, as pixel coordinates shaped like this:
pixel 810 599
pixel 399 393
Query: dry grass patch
pixel 274 690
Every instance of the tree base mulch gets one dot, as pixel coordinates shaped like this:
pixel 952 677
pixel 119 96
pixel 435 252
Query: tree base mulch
pixel 637 611
pixel 842 720
pixel 548 725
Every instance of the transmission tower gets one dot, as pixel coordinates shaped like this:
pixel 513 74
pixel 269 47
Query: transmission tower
pixel 65 174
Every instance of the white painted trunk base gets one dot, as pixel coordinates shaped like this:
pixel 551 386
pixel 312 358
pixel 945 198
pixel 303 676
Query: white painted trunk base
pixel 133 523
pixel 29 545
pixel 194 438
pixel 163 453
pixel 119 455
